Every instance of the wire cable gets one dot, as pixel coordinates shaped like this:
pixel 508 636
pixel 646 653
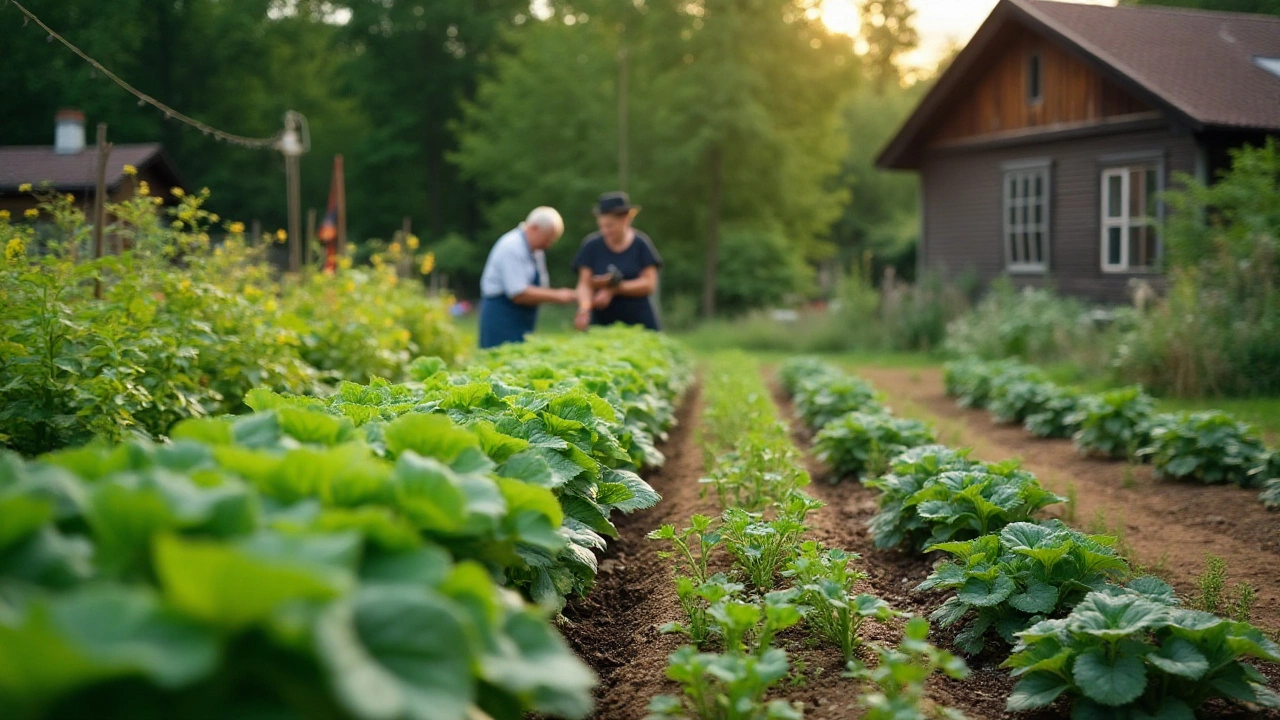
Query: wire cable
pixel 169 112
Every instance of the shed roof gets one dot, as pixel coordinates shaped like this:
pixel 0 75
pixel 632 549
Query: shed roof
pixel 1199 66
pixel 38 164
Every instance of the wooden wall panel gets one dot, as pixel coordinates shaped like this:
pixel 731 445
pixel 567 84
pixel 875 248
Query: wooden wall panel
pixel 1072 92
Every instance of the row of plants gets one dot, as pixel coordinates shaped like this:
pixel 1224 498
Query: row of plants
pixel 178 325
pixel 751 573
pixel 1210 446
pixel 1074 620
pixel 311 560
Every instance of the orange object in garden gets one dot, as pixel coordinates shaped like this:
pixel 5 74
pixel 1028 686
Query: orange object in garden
pixel 328 231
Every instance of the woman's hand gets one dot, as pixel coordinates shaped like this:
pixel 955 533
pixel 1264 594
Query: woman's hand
pixel 602 299
pixel 582 319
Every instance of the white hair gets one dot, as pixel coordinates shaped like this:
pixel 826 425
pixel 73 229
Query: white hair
pixel 546 218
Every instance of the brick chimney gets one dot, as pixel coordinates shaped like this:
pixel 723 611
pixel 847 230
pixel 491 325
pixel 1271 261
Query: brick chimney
pixel 68 136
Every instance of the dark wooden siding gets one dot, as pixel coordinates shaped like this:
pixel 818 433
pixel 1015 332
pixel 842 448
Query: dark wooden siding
pixel 962 224
pixel 1072 92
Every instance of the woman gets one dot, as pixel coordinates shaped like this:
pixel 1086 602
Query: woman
pixel 617 269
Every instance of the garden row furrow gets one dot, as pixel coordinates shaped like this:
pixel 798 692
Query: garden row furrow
pixel 370 555
pixel 1079 624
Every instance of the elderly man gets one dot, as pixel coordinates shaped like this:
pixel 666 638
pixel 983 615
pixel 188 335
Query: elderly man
pixel 514 282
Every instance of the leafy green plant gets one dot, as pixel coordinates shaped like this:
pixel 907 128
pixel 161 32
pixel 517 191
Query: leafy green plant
pixel 728 686
pixel 1210 446
pixel 696 600
pixel 1122 654
pixel 1056 416
pixel 1116 423
pixel 1015 401
pixel 760 548
pixel 829 397
pixel 1215 598
pixel 1005 582
pixel 972 382
pixel 832 612
pixel 861 444
pixel 960 500
pixel 908 474
pixel 1267 474
pixel 796 371
pixel 693 546
pixel 900 674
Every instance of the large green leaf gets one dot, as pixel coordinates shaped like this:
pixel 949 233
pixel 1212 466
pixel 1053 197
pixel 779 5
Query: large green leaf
pixel 1180 657
pixel 1110 681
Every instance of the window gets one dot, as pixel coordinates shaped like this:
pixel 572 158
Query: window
pixel 1026 216
pixel 1035 77
pixel 1130 215
pixel 1271 65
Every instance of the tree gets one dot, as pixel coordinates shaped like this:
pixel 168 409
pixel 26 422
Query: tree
pixel 888 29
pixel 1265 7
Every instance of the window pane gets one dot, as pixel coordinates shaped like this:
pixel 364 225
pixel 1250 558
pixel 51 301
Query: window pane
pixel 1137 193
pixel 1115 203
pixel 1037 248
pixel 1113 245
pixel 1039 194
pixel 1013 187
pixel 1143 246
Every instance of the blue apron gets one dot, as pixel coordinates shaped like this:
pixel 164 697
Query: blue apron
pixel 504 321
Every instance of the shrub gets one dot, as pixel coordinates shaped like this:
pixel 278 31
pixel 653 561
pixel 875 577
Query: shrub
pixel 1031 324
pixel 1018 399
pixel 1211 446
pixel 1056 417
pixel 894 524
pixel 1121 653
pixel 972 381
pixel 1116 423
pixel 863 443
pixel 1006 582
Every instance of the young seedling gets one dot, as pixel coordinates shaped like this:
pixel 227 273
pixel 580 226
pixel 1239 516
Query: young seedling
pixel 899 677
pixel 692 546
pixel 696 600
pixel 831 611
pixel 760 548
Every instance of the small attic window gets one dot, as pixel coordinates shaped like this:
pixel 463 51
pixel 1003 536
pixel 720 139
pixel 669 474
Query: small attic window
pixel 1271 65
pixel 1035 79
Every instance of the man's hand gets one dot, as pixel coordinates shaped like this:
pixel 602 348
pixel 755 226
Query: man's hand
pixel 582 319
pixel 566 296
pixel 602 299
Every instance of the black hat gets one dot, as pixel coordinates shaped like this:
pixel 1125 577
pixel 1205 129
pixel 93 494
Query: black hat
pixel 614 203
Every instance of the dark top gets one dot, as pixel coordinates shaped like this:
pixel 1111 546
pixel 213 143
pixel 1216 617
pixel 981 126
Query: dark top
pixel 595 254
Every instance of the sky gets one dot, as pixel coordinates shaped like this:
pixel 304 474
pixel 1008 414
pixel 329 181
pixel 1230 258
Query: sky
pixel 941 23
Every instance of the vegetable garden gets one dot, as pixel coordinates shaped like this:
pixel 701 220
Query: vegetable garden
pixel 222 498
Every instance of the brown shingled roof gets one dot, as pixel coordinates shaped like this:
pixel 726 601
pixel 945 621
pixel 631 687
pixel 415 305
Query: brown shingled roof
pixel 39 164
pixel 1200 62
pixel 1198 66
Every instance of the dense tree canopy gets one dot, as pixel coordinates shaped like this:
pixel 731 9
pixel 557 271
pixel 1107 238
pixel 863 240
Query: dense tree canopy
pixel 750 127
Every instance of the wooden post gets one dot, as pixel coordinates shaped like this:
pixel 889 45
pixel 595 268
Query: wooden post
pixel 311 238
pixel 402 265
pixel 295 212
pixel 255 233
pixel 342 207
pixel 100 201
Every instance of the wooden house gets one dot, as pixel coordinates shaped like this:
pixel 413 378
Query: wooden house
pixel 70 166
pixel 1043 149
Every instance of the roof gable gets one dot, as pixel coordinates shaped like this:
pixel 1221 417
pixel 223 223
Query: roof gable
pixel 77 172
pixel 1197 67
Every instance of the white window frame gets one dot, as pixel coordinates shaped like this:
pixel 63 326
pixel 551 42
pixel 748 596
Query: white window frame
pixel 1125 220
pixel 1025 228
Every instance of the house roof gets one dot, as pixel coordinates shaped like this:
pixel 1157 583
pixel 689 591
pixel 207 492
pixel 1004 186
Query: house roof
pixel 77 172
pixel 1198 66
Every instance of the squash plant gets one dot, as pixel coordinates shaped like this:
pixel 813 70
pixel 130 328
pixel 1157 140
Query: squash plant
pixel 834 396
pixel 1210 446
pixel 1121 654
pixel 863 443
pixel 1004 582
pixel 1056 415
pixel 1116 423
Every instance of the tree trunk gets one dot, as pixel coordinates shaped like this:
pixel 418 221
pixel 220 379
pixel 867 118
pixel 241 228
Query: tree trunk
pixel 716 166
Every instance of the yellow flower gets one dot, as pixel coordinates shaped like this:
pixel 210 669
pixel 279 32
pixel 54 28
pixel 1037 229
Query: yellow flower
pixel 176 224
pixel 236 228
pixel 395 248
pixel 177 192
pixel 185 285
pixel 130 170
pixel 158 200
pixel 144 189
pixel 281 235
pixel 213 217
pixel 15 250
pixel 252 293
pixel 344 263
pixel 349 287
pixel 4 214
pixel 270 305
pixel 428 264
pixel 31 213
pixel 71 198
pixel 412 242
pixel 24 187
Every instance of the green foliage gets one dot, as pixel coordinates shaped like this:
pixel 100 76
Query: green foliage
pixel 831 611
pixel 1211 446
pixel 760 548
pixel 1031 324
pixel 1116 423
pixel 1215 597
pixel 900 675
pixel 184 328
pixel 1015 401
pixel 1122 654
pixel 1006 582
pixel 746 447
pixel 692 546
pixel 1267 474
pixel 973 381
pixel 832 396
pixel 728 686
pixel 1055 416
pixel 935 495
pixel 862 443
